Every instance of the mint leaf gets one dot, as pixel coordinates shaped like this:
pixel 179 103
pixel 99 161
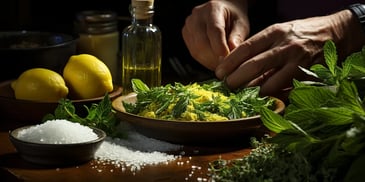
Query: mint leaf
pixel 356 61
pixel 274 121
pixel 323 73
pixel 139 86
pixel 349 96
pixel 330 56
pixel 99 115
pixel 310 96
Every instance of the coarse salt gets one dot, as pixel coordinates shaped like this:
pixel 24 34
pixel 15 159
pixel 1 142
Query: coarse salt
pixel 57 131
pixel 135 151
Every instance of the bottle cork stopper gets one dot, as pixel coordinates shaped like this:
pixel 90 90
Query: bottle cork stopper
pixel 143 9
pixel 142 3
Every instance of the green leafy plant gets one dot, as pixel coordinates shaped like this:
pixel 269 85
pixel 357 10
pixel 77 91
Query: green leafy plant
pixel 324 123
pixel 100 115
pixel 172 100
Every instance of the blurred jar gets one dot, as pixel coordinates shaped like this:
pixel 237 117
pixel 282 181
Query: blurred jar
pixel 99 36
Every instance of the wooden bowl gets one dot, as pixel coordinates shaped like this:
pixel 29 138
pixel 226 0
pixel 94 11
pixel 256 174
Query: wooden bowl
pixel 192 132
pixel 31 112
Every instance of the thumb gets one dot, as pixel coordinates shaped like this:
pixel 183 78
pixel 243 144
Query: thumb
pixel 237 35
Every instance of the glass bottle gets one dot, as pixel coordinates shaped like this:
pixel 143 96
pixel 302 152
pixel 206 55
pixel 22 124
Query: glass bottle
pixel 99 36
pixel 141 47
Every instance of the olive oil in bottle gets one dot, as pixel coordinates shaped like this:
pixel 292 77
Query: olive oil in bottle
pixel 141 47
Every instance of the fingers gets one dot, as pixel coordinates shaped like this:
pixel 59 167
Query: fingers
pixel 262 64
pixel 238 33
pixel 250 58
pixel 217 37
pixel 204 34
pixel 273 69
pixel 263 60
pixel 198 44
pixel 196 40
pixel 279 80
pixel 214 29
pixel 261 79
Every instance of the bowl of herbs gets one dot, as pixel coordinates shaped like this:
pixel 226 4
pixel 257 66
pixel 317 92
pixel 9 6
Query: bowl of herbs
pixel 196 113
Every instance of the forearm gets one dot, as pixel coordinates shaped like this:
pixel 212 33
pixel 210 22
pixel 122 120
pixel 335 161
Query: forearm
pixel 348 33
pixel 342 27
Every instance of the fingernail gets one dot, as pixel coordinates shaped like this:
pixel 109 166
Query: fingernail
pixel 220 73
pixel 237 42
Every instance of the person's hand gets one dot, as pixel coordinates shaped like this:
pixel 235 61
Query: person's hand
pixel 214 29
pixel 271 58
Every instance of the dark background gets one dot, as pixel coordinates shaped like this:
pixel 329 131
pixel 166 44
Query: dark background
pixel 59 16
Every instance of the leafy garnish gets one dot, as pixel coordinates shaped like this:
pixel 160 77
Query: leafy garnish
pixel 266 162
pixel 206 101
pixel 139 86
pixel 99 115
pixel 323 124
pixel 323 115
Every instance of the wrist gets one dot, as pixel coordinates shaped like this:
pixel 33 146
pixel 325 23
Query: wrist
pixel 347 32
pixel 359 11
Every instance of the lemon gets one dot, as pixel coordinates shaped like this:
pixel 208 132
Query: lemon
pixel 40 84
pixel 87 77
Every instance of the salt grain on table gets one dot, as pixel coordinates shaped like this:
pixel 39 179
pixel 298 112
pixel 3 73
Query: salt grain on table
pixel 135 151
pixel 57 132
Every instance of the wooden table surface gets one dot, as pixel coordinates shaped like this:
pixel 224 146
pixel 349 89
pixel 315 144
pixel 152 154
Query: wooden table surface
pixel 193 166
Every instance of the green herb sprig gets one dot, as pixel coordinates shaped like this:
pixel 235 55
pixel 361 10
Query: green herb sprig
pixel 324 125
pixel 179 96
pixel 266 162
pixel 100 115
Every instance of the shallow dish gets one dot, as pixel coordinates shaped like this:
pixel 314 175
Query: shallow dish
pixel 56 154
pixel 33 111
pixel 190 132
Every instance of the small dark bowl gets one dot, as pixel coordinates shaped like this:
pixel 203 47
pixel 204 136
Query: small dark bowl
pixel 22 50
pixel 56 154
